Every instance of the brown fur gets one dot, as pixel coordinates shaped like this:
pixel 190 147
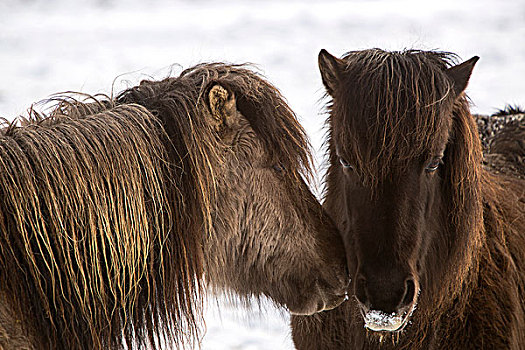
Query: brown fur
pixel 503 139
pixel 111 212
pixel 458 232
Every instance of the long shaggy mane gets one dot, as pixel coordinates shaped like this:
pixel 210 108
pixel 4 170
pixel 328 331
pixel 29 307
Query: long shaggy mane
pixel 259 101
pixel 387 85
pixel 89 252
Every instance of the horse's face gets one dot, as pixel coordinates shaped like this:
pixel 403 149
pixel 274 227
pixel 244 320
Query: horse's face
pixel 388 232
pixel 392 216
pixel 271 234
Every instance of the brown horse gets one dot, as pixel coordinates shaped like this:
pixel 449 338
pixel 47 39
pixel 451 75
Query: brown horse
pixel 112 214
pixel 434 242
pixel 503 139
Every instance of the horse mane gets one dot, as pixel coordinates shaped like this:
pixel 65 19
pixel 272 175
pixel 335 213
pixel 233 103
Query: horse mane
pixel 463 180
pixel 91 252
pixel 509 110
pixel 384 86
pixel 259 101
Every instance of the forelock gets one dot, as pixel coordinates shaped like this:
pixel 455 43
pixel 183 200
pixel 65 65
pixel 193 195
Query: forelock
pixel 391 107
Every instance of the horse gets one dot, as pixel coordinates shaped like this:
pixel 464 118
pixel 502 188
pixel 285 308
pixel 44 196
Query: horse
pixel 117 213
pixel 503 140
pixel 435 242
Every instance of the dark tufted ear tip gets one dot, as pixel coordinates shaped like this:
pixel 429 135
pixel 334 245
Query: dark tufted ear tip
pixel 323 53
pixel 460 74
pixel 331 68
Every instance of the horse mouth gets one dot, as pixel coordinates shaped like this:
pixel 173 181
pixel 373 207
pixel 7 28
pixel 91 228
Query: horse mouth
pixel 335 302
pixel 379 321
pixel 322 300
pixel 323 304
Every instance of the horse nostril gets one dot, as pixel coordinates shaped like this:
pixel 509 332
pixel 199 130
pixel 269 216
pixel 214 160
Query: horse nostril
pixel 410 291
pixel 360 290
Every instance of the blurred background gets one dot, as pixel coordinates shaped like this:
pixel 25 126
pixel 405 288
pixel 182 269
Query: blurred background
pixel 100 46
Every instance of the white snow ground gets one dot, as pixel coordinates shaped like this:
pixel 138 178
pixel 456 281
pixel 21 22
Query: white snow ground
pixel 59 45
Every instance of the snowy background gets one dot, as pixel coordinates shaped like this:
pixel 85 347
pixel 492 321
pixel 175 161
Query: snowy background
pixel 49 46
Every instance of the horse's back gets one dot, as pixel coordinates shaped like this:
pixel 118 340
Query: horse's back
pixel 503 139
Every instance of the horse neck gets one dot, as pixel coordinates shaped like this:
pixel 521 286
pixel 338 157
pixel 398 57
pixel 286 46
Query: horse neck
pixel 495 266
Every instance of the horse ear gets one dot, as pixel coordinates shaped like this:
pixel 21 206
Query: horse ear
pixel 223 107
pixel 460 74
pixel 331 68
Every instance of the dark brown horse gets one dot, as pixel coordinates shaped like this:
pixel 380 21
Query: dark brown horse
pixel 112 214
pixel 503 139
pixel 434 242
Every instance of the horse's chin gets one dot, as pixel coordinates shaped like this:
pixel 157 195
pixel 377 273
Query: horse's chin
pixel 322 305
pixel 379 321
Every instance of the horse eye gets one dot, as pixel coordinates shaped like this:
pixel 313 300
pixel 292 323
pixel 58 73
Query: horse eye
pixel 433 165
pixel 279 168
pixel 345 164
